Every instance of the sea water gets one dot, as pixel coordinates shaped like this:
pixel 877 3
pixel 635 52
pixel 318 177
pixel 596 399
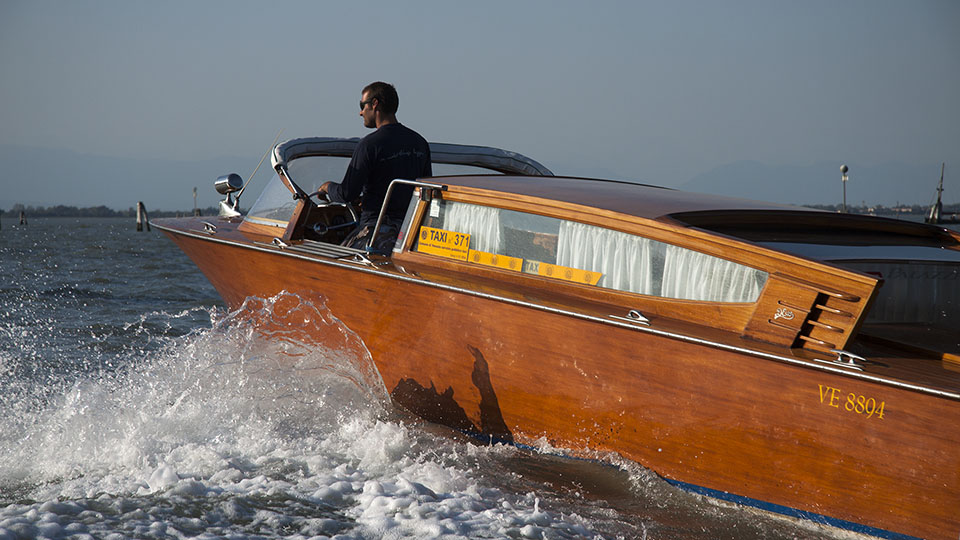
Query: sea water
pixel 133 404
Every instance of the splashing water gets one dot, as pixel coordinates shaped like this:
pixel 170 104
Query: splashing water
pixel 274 422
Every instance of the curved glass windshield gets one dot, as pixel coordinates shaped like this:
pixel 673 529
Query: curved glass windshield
pixel 275 206
pixel 311 172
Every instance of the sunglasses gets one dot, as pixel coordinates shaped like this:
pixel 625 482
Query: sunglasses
pixel 364 103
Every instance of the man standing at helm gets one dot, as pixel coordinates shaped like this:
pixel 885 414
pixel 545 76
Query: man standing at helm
pixel 392 151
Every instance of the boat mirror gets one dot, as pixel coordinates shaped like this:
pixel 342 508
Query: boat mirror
pixel 228 183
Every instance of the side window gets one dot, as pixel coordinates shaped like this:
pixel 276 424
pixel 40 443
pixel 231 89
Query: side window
pixel 581 253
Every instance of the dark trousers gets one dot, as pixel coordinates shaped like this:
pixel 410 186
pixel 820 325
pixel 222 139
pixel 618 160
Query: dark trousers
pixel 383 243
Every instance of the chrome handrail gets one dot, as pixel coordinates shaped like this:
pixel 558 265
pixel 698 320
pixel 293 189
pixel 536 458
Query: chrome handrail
pixel 386 199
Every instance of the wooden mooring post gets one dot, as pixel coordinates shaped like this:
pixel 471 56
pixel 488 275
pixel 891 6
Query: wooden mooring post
pixel 142 218
pixel 196 211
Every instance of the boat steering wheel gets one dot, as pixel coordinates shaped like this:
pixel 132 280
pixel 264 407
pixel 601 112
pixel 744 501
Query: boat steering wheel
pixel 323 201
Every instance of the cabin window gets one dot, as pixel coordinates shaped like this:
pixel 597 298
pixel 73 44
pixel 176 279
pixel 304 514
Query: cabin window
pixel 587 254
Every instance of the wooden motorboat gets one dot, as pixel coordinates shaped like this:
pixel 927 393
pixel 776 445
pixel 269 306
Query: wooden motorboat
pixel 800 361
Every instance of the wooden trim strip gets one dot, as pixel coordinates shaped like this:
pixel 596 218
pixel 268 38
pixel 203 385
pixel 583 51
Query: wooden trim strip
pixel 793 307
pixel 825 326
pixel 781 325
pixel 829 292
pixel 816 341
pixel 835 311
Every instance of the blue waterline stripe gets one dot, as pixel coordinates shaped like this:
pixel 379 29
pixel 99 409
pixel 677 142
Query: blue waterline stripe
pixel 792 512
pixel 715 494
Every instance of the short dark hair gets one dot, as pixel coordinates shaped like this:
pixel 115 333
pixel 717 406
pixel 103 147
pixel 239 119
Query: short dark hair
pixel 386 94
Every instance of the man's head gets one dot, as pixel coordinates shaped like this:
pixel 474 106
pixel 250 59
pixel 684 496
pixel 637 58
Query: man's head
pixel 378 104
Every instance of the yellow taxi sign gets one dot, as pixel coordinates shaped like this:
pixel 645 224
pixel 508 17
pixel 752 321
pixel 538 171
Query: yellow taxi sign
pixel 565 273
pixel 492 259
pixel 450 244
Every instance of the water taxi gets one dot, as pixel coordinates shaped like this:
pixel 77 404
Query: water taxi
pixel 800 361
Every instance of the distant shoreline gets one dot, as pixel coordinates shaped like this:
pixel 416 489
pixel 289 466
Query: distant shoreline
pixel 103 211
pixel 95 212
pixel 884 211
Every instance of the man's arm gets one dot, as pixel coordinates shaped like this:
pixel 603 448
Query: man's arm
pixel 354 179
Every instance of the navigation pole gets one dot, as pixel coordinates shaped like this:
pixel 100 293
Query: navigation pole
pixel 843 180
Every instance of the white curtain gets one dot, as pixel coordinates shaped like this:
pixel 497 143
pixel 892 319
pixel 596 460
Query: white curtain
pixel 482 223
pixel 644 266
pixel 624 260
pixel 692 275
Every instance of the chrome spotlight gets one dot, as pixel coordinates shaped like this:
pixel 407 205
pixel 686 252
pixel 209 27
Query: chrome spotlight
pixel 225 185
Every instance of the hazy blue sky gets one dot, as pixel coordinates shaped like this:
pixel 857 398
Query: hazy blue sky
pixel 655 91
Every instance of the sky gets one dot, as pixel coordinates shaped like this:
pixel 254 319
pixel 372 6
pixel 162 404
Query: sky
pixel 657 92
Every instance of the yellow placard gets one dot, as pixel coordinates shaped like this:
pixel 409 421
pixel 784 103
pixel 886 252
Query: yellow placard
pixel 565 273
pixel 450 244
pixel 492 259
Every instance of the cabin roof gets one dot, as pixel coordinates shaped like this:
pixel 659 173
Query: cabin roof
pixel 628 198
pixel 743 218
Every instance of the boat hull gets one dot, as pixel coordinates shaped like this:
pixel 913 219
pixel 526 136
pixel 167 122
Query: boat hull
pixel 735 421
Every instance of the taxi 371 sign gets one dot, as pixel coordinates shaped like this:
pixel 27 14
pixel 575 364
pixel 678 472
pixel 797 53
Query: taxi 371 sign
pixel 449 244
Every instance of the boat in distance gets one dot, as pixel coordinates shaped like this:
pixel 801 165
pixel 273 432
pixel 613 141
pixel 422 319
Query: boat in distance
pixel 935 215
pixel 800 361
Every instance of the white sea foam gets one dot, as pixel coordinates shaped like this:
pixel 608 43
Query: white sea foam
pixel 252 428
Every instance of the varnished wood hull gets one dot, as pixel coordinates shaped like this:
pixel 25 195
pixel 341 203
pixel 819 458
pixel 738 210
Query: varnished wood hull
pixel 733 421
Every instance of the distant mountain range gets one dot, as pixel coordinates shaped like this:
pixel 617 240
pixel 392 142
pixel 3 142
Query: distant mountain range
pixel 46 177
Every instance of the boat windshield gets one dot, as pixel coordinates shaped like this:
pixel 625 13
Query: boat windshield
pixel 311 172
pixel 275 205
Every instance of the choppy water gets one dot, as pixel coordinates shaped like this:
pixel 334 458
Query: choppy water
pixel 133 405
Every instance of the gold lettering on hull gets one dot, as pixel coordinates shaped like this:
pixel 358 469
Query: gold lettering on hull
pixel 851 402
